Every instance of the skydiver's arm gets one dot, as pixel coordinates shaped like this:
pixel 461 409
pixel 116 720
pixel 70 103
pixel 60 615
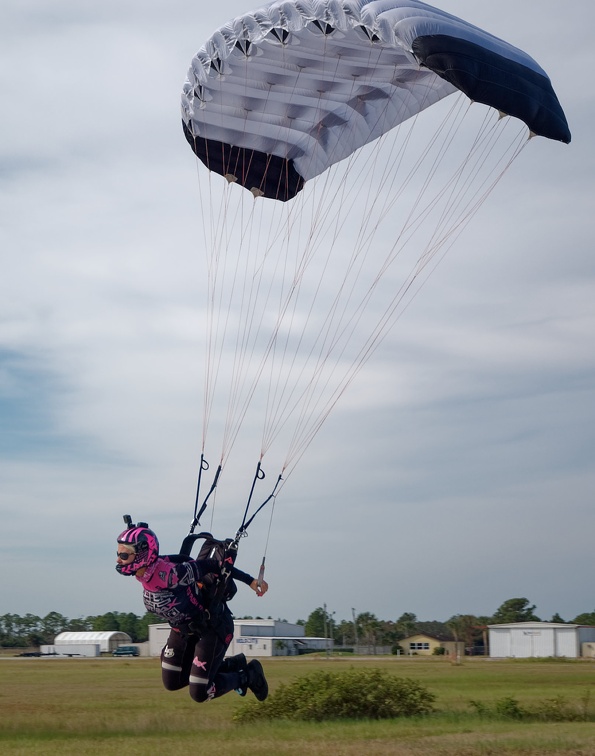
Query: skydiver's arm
pixel 243 577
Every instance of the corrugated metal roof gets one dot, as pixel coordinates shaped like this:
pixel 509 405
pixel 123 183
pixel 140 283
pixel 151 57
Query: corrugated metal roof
pixel 90 636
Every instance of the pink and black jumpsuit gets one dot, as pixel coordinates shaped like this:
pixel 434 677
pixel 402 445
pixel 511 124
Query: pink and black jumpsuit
pixel 195 650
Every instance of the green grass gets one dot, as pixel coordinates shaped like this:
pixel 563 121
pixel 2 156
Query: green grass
pixel 117 706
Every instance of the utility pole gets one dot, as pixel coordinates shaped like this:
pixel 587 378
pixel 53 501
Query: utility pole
pixel 354 631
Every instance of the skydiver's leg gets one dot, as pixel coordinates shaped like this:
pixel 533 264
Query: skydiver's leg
pixel 176 660
pixel 207 681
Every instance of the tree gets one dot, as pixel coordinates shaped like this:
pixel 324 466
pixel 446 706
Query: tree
pixel 387 633
pixel 587 618
pixel 143 625
pixel 8 630
pixel 406 625
pixel 30 630
pixel 464 627
pixel 344 634
pixel 471 630
pixel 435 629
pixel 556 618
pixel 52 624
pixel 369 627
pixel 78 625
pixel 318 623
pixel 129 623
pixel 515 610
pixel 107 621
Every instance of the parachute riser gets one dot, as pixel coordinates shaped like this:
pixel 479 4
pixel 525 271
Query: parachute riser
pixel 259 475
pixel 204 465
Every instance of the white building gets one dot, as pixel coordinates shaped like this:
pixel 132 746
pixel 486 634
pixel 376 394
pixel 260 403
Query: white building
pixel 541 639
pixel 87 643
pixel 255 637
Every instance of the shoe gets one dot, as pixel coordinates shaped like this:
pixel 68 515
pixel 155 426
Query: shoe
pixel 256 680
pixel 242 688
pixel 234 663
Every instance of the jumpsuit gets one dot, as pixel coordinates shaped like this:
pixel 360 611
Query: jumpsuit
pixel 195 650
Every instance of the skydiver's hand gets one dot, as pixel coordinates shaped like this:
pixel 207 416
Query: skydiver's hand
pixel 261 589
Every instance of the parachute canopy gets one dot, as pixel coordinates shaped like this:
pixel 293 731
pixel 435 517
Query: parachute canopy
pixel 278 95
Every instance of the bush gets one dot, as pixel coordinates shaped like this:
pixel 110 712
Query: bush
pixel 509 708
pixel 505 708
pixel 355 694
pixel 549 710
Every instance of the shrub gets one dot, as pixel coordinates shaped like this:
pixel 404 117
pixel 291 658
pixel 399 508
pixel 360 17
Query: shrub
pixel 354 694
pixel 509 708
pixel 549 710
pixel 558 710
pixel 504 708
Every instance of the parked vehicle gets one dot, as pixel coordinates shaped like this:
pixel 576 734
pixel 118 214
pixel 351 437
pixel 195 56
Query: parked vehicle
pixel 126 651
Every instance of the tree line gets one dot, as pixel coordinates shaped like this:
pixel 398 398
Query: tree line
pixel 361 629
pixel 31 630
pixel 367 629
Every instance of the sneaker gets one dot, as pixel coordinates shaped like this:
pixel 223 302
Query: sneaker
pixel 234 663
pixel 257 681
pixel 242 688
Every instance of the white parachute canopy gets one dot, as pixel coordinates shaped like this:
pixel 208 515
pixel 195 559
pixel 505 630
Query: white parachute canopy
pixel 337 114
pixel 277 96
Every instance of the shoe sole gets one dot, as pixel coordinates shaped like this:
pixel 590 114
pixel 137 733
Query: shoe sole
pixel 261 691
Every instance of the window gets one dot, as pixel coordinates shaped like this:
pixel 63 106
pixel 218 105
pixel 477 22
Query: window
pixel 419 646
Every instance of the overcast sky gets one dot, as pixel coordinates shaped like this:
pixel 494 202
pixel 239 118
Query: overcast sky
pixel 456 473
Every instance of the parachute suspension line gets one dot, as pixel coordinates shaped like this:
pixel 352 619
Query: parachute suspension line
pixel 328 341
pixel 243 301
pixel 273 342
pixel 287 365
pixel 251 388
pixel 223 234
pixel 392 313
pixel 298 274
pixel 335 322
pixel 260 578
pixel 216 326
pixel 207 232
pixel 321 219
pixel 331 338
pixel 247 322
pixel 460 208
pixel 466 190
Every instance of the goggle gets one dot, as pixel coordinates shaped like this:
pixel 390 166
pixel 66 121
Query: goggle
pixel 124 555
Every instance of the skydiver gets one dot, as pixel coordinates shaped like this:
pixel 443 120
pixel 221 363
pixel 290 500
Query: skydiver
pixel 200 634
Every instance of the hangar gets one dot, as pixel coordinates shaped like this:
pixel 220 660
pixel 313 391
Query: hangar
pixel 90 643
pixel 524 640
pixel 255 637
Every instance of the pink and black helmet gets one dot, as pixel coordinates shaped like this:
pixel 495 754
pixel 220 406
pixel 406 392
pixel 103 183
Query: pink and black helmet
pixel 145 544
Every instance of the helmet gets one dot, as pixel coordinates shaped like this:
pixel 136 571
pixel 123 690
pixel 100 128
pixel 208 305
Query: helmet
pixel 145 544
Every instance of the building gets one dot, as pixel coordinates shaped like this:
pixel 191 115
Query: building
pixel 423 644
pixel 523 640
pixel 87 643
pixel 255 637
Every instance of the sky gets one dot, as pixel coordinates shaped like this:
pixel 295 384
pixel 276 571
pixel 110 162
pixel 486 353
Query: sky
pixel 458 470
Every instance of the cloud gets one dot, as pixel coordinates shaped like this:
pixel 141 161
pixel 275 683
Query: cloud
pixel 454 473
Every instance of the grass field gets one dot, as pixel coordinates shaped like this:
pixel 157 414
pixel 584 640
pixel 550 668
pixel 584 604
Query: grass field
pixel 117 706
